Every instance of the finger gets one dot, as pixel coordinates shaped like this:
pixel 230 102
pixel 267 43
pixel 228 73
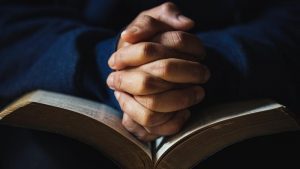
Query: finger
pixel 172 100
pixel 172 126
pixel 142 28
pixel 139 113
pixel 137 82
pixel 159 19
pixel 142 53
pixel 122 44
pixel 182 42
pixel 169 13
pixel 136 129
pixel 177 71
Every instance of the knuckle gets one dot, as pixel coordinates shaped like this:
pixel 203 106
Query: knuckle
pixel 168 6
pixel 145 20
pixel 178 38
pixel 143 13
pixel 145 84
pixel 126 124
pixel 149 119
pixel 164 68
pixel 125 106
pixel 148 49
pixel 150 102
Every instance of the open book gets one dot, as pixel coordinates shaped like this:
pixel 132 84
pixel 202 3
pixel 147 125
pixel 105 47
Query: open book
pixel 209 130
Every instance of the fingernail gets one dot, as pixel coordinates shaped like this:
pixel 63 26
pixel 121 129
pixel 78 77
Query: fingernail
pixel 110 81
pixel 183 18
pixel 111 61
pixel 199 94
pixel 130 30
pixel 117 95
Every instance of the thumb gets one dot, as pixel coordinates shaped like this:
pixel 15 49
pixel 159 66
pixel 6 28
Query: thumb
pixel 165 17
pixel 169 14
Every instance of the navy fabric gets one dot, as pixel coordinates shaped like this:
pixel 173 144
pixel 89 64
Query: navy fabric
pixel 63 46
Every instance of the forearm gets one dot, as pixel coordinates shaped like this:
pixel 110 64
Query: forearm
pixel 43 49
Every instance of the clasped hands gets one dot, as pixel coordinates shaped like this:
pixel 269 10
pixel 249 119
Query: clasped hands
pixel 158 72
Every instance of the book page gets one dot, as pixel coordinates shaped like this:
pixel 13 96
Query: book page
pixel 208 117
pixel 87 121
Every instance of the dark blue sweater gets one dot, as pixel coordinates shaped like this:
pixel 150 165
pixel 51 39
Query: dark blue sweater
pixel 64 45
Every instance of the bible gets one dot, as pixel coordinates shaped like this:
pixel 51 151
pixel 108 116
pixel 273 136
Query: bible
pixel 208 131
